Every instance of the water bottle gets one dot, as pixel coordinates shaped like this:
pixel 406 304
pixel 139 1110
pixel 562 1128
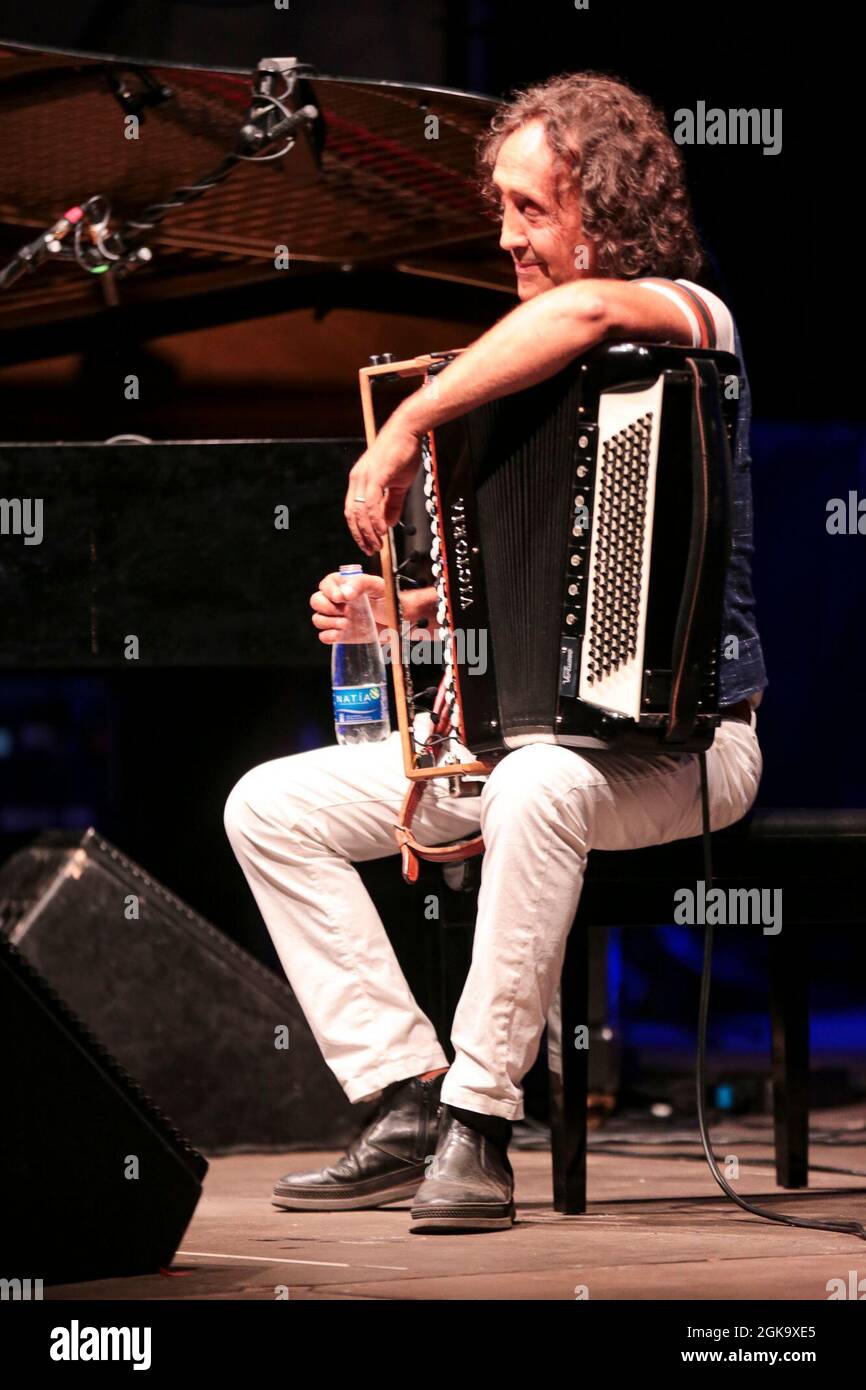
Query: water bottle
pixel 358 685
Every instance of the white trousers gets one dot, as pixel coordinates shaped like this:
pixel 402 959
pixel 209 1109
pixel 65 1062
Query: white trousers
pixel 298 824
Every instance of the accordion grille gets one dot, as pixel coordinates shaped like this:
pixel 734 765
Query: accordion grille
pixel 621 498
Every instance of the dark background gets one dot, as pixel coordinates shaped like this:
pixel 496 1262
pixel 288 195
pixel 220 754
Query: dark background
pixel 150 756
pixel 781 228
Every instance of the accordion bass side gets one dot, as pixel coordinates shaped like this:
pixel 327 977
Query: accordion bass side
pixel 579 537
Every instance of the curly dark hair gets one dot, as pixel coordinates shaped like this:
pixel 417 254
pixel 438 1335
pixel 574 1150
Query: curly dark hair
pixel 613 144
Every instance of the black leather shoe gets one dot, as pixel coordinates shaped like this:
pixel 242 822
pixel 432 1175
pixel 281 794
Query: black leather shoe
pixel 470 1183
pixel 386 1163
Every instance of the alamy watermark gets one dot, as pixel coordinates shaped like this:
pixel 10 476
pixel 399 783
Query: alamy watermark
pixel 736 126
pixel 77 1343
pixel 846 517
pixel 20 1290
pixel 22 516
pixel 468 648
pixel 854 1288
pixel 729 907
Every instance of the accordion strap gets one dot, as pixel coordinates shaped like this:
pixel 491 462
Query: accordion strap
pixel 410 849
pixel 439 854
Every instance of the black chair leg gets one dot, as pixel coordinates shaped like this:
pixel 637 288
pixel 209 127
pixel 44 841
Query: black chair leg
pixel 569 1076
pixel 789 1014
pixel 457 928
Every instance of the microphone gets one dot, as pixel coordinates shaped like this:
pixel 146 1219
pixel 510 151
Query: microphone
pixel 252 136
pixel 28 257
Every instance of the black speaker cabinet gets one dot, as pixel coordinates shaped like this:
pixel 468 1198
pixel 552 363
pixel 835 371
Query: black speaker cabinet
pixel 94 1180
pixel 217 1039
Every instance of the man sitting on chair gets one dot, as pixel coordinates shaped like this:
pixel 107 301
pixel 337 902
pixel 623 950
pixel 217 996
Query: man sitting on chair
pixel 595 216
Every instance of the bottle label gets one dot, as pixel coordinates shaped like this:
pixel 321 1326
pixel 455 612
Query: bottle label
pixel 357 704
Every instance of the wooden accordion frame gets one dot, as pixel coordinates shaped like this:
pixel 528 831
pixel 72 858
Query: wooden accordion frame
pixel 584 525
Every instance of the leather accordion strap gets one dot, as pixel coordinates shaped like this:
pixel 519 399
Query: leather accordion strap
pixel 410 848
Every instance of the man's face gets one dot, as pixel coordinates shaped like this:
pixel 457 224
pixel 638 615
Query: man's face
pixel 543 237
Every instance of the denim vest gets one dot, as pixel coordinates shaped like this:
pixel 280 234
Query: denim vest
pixel 741 663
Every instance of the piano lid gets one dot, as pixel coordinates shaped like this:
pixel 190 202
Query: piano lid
pixel 383 194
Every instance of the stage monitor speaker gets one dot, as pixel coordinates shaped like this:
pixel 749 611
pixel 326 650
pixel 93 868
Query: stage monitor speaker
pixel 217 1039
pixel 94 1180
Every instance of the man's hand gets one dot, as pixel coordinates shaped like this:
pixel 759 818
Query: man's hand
pixel 387 467
pixel 330 601
pixel 336 590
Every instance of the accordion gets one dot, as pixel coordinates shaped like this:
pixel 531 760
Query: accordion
pixel 579 537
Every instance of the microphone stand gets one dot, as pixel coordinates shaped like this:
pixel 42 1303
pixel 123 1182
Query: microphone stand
pixel 97 249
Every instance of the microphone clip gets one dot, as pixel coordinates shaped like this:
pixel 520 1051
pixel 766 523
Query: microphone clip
pixel 270 118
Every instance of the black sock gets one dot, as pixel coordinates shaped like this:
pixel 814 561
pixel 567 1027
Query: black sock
pixel 494 1127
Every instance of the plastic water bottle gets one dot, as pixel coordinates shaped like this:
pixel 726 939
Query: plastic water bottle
pixel 358 685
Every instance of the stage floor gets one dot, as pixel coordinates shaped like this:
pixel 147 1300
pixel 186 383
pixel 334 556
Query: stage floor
pixel 656 1228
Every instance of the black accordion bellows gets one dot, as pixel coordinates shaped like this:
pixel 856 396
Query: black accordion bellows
pixel 523 448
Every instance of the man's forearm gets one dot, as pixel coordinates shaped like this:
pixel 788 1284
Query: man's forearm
pixel 532 343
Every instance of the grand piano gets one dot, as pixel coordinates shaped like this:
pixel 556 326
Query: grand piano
pixel 182 360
